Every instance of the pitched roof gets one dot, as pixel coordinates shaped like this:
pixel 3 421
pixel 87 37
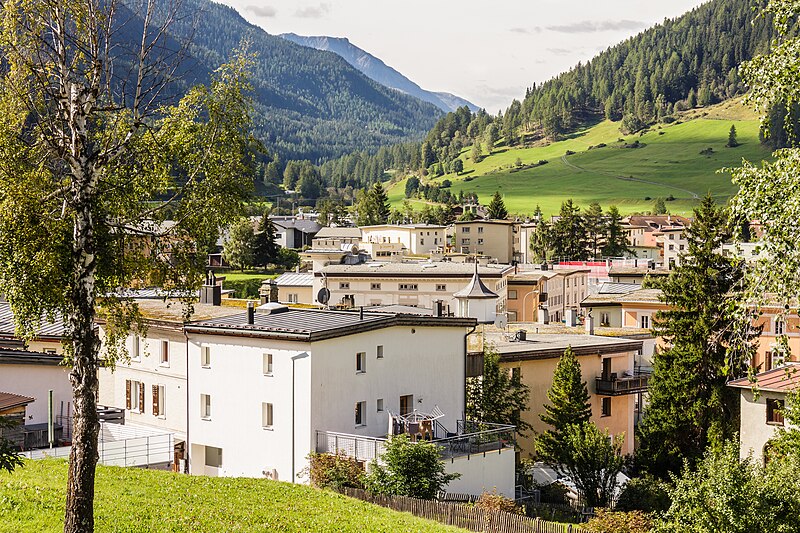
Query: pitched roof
pixel 24 357
pixel 308 325
pixel 295 279
pixel 645 296
pixel 637 271
pixel 331 232
pixel 9 400
pixel 414 269
pixel 781 379
pixel 552 345
pixel 47 329
pixel 475 289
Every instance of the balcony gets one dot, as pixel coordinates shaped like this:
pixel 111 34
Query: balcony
pixel 471 438
pixel 613 385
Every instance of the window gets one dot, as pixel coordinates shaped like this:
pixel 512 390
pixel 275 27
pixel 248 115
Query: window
pixel 159 401
pixel 480 241
pixel 380 405
pixel 512 295
pixel 344 285
pixel 134 396
pixel 266 415
pixel 480 229
pixel 441 287
pixel 136 352
pixel 774 412
pixel 671 247
pixel 267 364
pixel 606 407
pixel 671 237
pixel 380 351
pixel 681 247
pixel 361 362
pixel 779 326
pixel 205 406
pixel 165 353
pixel 604 319
pixel 465 241
pixel 361 414
pixel 645 321
pixel 407 286
pixel 465 230
pixel 568 283
pixel 213 456
pixel 205 357
pixel 406 404
pixel 422 241
pixel 375 286
pixel 292 298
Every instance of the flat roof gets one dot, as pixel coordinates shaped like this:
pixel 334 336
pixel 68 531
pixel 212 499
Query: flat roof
pixel 172 311
pixel 552 345
pixel 10 400
pixel 330 232
pixel 637 271
pixel 410 269
pixel 781 379
pixel 644 296
pixel 309 325
pixel 403 226
pixel 484 221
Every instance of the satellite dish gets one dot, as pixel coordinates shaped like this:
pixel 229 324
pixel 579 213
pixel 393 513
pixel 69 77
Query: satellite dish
pixel 323 296
pixel 501 321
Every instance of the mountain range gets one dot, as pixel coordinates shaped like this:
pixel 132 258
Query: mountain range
pixel 376 70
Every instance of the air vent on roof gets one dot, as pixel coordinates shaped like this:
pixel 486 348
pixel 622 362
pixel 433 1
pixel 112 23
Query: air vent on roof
pixel 374 265
pixel 271 308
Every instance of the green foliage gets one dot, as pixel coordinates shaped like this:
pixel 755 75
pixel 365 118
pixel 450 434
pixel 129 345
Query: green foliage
pixel 620 522
pixel 408 468
pixel 287 259
pixel 265 247
pixel 732 142
pixel 645 493
pixel 239 246
pixel 498 396
pixel 592 460
pixel 373 206
pixel 659 207
pixel 492 501
pixel 138 499
pixel 569 234
pixel 616 243
pixel 243 288
pixel 595 224
pixel 568 406
pixel 541 242
pixel 497 209
pixel 331 212
pixel 9 457
pixel 727 494
pixel 334 472
pixel 689 405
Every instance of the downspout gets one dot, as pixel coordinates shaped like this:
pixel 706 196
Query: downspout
pixel 466 354
pixel 186 445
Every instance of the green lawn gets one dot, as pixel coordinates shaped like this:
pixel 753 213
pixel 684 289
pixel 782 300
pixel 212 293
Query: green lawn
pixel 134 500
pixel 669 163
pixel 246 275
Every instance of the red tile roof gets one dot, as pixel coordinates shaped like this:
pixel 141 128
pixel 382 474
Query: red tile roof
pixel 9 400
pixel 783 379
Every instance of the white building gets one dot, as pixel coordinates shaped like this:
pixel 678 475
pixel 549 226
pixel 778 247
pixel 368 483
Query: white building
pixel 34 374
pixel 269 387
pixel 477 301
pixel 415 239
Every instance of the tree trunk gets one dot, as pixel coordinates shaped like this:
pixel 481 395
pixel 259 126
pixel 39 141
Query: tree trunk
pixel 79 516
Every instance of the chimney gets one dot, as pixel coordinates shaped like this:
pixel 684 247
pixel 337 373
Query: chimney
pixel 439 305
pixel 251 313
pixel 211 292
pixel 268 292
pixel 589 324
pixel 361 313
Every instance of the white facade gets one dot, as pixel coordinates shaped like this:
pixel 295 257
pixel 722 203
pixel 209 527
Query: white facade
pixel 35 380
pixel 675 245
pixel 419 239
pixel 755 430
pixel 157 368
pixel 312 386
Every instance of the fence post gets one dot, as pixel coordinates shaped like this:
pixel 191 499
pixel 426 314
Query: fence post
pixel 569 528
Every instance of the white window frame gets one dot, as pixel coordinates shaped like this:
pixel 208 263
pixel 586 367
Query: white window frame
pixel 164 360
pixel 779 326
pixel 644 321
pixel 344 285
pixel 136 391
pixel 205 357
pixel 360 414
pixel 205 407
pixel 441 287
pixel 268 362
pixel 267 415
pixel 374 286
pixel 136 348
pixel 162 401
pixel 379 351
pixel 361 362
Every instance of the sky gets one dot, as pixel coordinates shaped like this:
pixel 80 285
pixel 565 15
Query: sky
pixel 487 52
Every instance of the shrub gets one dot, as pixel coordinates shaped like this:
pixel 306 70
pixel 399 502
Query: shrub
pixel 616 522
pixel 647 198
pixel 645 493
pixel 569 152
pixel 543 161
pixel 670 198
pixel 491 501
pixel 601 145
pixel 445 184
pixel 553 493
pixel 243 288
pixel 334 472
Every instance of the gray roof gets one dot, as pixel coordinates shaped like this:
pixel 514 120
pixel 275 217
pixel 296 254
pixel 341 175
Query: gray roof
pixel 402 310
pixel 303 225
pixel 475 290
pixel 646 296
pixel 24 357
pixel 551 345
pixel 308 325
pixel 295 279
pixel 618 288
pixel 47 329
pixel 405 226
pixel 424 268
pixel 637 271
pixel 329 232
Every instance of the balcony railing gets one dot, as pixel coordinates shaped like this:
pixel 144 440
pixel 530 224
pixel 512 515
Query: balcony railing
pixel 613 385
pixel 471 438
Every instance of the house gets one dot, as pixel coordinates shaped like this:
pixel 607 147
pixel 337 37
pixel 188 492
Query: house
pixel 777 327
pixel 526 293
pixel 47 338
pixel 657 237
pixel 523 240
pixel 620 305
pixel 748 251
pixel 296 288
pixel 333 237
pixel 635 274
pixel 493 238
pixel 404 239
pixel 762 413
pixel 34 374
pixel 418 284
pixel 295 233
pixel 564 290
pixel 608 365
pixel 270 386
pixel 675 245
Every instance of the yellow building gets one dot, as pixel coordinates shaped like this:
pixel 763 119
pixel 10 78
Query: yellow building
pixel 493 238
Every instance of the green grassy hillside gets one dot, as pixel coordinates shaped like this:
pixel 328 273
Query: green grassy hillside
pixel 668 162
pixel 133 500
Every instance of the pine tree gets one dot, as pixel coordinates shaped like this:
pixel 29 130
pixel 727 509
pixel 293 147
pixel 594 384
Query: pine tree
pixel 732 142
pixel 659 207
pixel 569 406
pixel 595 228
pixel 381 201
pixel 238 248
pixel 265 247
pixel 569 234
pixel 689 406
pixel 476 153
pixel 497 208
pixel 616 240
pixel 541 242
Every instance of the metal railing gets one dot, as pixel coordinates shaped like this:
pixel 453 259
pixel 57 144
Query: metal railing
pixel 471 438
pixel 613 385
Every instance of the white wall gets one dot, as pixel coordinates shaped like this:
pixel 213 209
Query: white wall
pixel 483 472
pixel 754 432
pixel 35 381
pixel 149 370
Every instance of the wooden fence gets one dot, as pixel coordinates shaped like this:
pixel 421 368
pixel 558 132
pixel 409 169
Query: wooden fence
pixel 464 516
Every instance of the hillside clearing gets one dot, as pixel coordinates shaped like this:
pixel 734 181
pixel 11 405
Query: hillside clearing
pixel 133 500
